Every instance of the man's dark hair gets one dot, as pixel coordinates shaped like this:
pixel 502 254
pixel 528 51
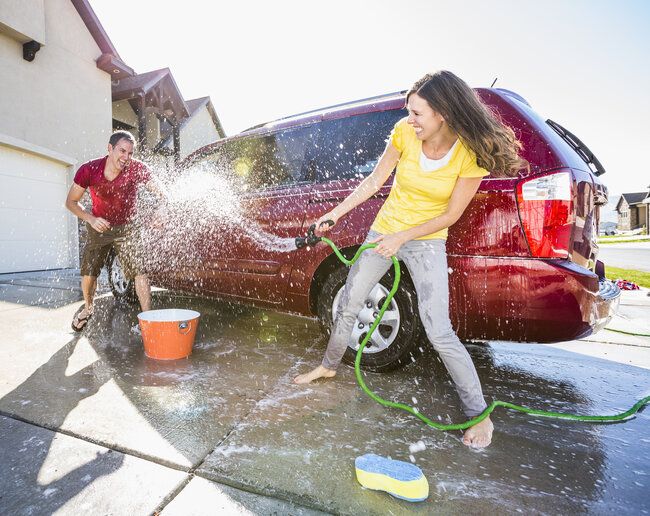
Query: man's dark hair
pixel 120 135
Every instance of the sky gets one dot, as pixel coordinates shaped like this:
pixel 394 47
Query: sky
pixel 585 64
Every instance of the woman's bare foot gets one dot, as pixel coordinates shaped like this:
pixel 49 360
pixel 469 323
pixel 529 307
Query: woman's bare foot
pixel 479 435
pixel 315 374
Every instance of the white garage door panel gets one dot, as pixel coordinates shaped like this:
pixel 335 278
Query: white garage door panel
pixel 30 166
pixel 34 228
pixel 33 194
pixel 33 225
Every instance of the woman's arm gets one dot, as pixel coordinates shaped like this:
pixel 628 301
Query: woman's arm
pixel 464 191
pixel 366 188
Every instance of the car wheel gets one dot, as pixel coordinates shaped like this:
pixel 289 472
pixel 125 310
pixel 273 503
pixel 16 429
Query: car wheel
pixel 394 342
pixel 123 290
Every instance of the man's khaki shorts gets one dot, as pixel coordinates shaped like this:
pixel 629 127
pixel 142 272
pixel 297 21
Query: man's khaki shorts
pixel 124 239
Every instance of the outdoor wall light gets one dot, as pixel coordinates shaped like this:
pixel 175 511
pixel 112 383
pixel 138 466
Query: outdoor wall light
pixel 29 50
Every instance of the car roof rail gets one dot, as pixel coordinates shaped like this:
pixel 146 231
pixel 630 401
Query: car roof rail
pixel 514 95
pixel 350 103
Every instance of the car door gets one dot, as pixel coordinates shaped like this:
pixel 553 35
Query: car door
pixel 249 258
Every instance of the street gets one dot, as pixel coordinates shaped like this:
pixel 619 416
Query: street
pixel 91 425
pixel 632 255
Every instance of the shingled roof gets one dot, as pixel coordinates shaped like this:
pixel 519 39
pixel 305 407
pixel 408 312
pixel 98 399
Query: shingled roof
pixel 632 198
pixel 635 198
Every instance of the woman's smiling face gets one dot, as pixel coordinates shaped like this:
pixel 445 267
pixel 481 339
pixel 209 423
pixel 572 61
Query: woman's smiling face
pixel 423 118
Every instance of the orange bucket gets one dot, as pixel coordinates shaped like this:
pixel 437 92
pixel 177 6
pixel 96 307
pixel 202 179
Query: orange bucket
pixel 168 334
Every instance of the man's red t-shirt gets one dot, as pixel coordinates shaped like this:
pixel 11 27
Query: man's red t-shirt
pixel 113 200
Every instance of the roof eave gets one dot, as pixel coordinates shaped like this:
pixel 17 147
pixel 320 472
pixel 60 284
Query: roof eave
pixel 114 66
pixel 110 60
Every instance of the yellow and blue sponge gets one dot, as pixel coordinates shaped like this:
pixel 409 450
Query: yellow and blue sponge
pixel 398 478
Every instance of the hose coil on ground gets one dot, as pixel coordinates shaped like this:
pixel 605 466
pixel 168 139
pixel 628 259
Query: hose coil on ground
pixel 461 426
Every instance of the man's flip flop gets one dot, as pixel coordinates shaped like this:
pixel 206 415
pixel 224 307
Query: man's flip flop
pixel 80 320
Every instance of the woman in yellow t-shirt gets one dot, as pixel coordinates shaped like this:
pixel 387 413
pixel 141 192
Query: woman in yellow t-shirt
pixel 442 150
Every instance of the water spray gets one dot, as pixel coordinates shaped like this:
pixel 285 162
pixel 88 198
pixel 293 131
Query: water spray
pixel 312 239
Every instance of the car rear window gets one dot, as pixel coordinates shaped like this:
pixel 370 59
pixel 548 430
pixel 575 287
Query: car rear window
pixel 350 147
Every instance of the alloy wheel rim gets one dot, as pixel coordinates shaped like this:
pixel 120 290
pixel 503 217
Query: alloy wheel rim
pixel 386 333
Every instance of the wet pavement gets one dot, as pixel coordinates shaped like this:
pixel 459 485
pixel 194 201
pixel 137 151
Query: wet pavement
pixel 89 424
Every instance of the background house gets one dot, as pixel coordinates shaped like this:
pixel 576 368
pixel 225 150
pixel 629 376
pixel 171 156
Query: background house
pixel 152 107
pixel 632 211
pixel 200 128
pixel 63 89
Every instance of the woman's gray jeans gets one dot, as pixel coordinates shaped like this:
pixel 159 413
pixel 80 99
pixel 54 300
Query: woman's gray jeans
pixel 426 261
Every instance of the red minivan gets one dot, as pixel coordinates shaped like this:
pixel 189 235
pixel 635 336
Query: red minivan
pixel 522 259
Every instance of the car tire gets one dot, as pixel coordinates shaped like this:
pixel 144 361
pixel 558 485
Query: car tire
pixel 398 344
pixel 123 290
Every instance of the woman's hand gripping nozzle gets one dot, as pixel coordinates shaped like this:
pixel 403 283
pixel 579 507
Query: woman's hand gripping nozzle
pixel 311 239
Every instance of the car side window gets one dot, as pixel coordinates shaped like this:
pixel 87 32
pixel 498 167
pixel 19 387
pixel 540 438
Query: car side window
pixel 351 147
pixel 263 161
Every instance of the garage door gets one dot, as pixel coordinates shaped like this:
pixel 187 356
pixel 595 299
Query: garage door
pixel 34 229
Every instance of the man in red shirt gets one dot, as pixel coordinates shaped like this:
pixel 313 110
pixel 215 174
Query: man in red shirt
pixel 113 182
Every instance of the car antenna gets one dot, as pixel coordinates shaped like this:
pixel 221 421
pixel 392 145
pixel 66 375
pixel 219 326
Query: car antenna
pixel 493 82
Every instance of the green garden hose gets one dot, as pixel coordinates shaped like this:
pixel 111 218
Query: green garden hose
pixel 493 405
pixel 629 332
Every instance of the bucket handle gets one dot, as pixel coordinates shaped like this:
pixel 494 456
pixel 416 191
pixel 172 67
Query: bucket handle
pixel 186 326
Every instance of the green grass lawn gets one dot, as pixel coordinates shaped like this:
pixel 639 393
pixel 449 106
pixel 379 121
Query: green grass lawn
pixel 639 277
pixel 608 240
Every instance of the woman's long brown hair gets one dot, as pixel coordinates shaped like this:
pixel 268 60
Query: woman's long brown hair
pixel 495 144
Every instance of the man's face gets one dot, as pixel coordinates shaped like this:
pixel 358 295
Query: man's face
pixel 120 154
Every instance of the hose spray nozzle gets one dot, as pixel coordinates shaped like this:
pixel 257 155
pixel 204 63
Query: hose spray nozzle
pixel 311 239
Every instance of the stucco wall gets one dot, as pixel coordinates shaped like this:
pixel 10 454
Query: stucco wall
pixel 199 131
pixel 153 132
pixel 59 104
pixel 24 20
pixel 123 112
pixel 60 101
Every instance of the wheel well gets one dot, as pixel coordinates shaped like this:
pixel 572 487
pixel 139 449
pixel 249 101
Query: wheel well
pixel 329 264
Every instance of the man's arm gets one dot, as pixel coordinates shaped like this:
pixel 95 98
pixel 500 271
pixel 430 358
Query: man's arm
pixel 156 188
pixel 72 203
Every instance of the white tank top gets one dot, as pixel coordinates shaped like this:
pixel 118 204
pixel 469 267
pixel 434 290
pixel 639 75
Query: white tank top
pixel 431 165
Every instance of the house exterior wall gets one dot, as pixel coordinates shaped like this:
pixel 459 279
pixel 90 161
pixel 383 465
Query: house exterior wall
pixel 123 112
pixel 153 132
pixel 642 216
pixel 632 217
pixel 198 131
pixel 24 20
pixel 59 104
pixel 624 216
pixel 61 100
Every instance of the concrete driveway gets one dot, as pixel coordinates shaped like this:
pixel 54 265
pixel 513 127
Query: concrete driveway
pixel 90 425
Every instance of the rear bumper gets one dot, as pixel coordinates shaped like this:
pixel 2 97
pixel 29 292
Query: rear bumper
pixel 527 300
pixel 611 298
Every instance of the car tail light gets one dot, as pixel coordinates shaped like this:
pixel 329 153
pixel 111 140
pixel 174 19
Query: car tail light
pixel 546 211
